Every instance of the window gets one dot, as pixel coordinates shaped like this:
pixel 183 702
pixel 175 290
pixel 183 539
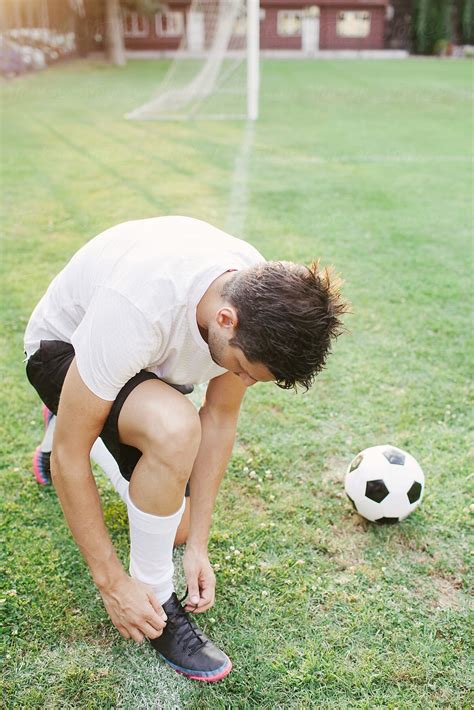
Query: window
pixel 353 24
pixel 289 23
pixel 240 27
pixel 169 24
pixel 134 25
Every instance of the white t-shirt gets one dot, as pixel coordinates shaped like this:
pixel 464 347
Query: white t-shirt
pixel 127 301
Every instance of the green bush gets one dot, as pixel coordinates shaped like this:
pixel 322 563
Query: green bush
pixel 467 21
pixel 432 23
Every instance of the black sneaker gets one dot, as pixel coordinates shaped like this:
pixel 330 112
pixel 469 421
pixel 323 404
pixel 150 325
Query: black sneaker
pixel 186 649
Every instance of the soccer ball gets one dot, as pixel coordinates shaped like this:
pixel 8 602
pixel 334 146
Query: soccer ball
pixel 384 484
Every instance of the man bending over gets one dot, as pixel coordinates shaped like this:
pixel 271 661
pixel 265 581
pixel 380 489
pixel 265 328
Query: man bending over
pixel 139 315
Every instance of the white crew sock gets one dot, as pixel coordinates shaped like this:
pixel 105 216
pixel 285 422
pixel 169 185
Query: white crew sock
pixel 151 547
pixel 102 456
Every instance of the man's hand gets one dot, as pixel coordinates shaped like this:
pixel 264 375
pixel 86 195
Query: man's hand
pixel 134 609
pixel 201 580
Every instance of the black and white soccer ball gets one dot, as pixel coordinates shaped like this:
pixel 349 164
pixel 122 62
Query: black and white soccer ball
pixel 384 484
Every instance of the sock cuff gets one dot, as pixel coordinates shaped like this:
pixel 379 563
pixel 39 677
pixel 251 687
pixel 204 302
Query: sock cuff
pixel 152 523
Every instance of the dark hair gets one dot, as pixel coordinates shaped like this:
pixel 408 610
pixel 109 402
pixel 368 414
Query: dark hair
pixel 287 316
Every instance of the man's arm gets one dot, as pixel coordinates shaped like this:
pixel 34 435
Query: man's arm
pixel 131 605
pixel 81 416
pixel 219 415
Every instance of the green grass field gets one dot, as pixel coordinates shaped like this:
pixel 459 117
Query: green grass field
pixel 367 166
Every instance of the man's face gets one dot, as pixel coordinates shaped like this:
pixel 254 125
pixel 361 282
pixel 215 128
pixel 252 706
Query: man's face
pixel 232 358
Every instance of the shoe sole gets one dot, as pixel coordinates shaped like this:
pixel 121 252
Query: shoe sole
pixel 207 677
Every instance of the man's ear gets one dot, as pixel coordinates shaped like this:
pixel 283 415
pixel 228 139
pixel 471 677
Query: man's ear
pixel 227 317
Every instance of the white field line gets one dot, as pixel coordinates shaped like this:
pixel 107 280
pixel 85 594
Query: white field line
pixel 320 159
pixel 145 681
pixel 148 681
pixel 237 212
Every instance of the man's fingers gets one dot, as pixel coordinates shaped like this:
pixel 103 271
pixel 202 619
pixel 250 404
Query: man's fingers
pixel 193 594
pixel 156 623
pixel 150 632
pixel 123 631
pixel 137 635
pixel 205 600
pixel 157 606
pixel 200 609
pixel 204 604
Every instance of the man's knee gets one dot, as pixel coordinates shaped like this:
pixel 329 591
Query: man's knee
pixel 162 424
pixel 174 438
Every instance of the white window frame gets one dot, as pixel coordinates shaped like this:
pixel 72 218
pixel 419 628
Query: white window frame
pixel 161 32
pixel 240 26
pixel 135 31
pixel 359 21
pixel 282 15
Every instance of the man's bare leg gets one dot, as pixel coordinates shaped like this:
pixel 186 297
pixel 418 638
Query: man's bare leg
pixel 166 428
pixel 183 528
pixel 102 456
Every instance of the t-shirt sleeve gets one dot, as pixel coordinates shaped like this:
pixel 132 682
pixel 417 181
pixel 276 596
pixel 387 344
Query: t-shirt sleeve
pixel 113 342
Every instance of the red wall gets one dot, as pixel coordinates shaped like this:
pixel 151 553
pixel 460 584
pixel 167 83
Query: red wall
pixel 158 42
pixel 328 39
pixel 269 39
pixel 154 41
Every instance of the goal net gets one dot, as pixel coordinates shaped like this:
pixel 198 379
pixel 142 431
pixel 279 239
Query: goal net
pixel 214 72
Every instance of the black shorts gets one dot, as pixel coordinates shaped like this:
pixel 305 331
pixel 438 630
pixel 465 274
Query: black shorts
pixel 46 370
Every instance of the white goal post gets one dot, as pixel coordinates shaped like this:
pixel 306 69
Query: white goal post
pixel 207 78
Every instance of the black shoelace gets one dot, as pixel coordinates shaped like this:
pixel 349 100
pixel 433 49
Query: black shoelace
pixel 185 629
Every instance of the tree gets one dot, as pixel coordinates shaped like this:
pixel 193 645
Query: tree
pixel 467 21
pixel 114 28
pixel 115 46
pixel 111 10
pixel 431 24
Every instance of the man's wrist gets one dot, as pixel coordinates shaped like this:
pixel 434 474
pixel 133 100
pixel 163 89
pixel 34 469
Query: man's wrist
pixel 107 577
pixel 197 546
